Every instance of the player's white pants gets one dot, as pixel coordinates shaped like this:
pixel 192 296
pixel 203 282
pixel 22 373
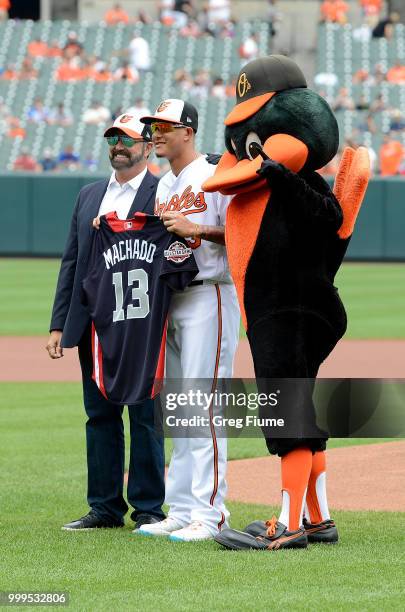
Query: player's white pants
pixel 202 337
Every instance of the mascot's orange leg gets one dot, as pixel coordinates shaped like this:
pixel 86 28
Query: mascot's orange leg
pixel 316 503
pixel 295 473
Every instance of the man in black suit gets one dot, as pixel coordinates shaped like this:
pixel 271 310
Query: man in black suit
pixel 130 189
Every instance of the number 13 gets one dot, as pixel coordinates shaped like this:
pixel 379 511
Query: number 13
pixel 139 293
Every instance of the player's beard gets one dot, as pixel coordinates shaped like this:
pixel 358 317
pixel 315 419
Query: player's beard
pixel 131 160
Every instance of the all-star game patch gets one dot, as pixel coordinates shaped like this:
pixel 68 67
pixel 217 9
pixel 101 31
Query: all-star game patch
pixel 177 252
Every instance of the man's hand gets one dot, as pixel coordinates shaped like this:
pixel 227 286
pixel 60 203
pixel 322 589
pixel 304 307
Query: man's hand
pixel 177 223
pixel 53 347
pixel 96 223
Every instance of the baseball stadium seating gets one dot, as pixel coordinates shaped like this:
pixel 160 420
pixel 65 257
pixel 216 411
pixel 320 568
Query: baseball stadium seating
pixel 341 53
pixel 338 52
pixel 169 52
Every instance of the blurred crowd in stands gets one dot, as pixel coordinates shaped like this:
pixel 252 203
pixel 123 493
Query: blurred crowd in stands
pixel 75 65
pixel 390 158
pixel 67 159
pixel 374 24
pixel 48 162
pixel 214 19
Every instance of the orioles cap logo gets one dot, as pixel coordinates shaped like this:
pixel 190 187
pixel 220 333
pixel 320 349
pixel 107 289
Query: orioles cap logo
pixel 126 118
pixel 243 85
pixel 162 106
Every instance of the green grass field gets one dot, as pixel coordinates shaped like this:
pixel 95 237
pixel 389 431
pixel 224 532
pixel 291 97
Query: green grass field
pixel 43 483
pixel 373 294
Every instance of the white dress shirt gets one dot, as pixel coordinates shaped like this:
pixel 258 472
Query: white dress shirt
pixel 120 197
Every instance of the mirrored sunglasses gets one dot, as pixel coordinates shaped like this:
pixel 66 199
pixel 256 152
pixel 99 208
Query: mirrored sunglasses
pixel 127 141
pixel 165 128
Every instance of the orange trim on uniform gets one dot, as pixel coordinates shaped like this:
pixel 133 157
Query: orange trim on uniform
pixel 295 471
pixel 135 223
pixel 97 361
pixel 213 387
pixel 318 467
pixel 246 109
pixel 93 331
pixel 222 521
pixel 100 366
pixel 160 368
pixel 244 237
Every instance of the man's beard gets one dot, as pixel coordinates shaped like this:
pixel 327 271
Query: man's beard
pixel 131 160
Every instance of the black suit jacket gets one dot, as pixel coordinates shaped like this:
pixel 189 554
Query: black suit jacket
pixel 68 313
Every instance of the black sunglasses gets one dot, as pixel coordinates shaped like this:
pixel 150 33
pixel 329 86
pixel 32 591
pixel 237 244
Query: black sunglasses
pixel 127 141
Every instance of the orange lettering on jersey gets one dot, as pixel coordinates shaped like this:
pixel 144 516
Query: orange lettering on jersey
pixel 173 205
pixel 159 207
pixel 187 198
pixel 188 203
pixel 200 201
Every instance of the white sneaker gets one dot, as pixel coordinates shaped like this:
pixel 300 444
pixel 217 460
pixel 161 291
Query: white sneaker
pixel 192 533
pixel 163 528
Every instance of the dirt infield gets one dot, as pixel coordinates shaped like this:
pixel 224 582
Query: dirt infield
pixel 368 477
pixel 25 359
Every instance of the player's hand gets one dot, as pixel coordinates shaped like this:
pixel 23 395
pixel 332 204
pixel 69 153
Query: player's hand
pixel 55 351
pixel 96 223
pixel 177 223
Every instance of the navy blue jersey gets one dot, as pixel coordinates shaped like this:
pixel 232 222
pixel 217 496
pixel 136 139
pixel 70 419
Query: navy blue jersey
pixel 134 266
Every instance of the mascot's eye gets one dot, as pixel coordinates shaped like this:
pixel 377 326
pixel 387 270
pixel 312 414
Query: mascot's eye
pixel 253 151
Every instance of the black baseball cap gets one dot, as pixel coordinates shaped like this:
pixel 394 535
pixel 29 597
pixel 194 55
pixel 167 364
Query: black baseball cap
pixel 259 81
pixel 176 111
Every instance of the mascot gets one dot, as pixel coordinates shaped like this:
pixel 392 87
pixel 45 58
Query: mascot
pixel 286 235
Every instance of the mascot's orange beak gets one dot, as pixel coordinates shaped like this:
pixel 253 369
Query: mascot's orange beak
pixel 233 176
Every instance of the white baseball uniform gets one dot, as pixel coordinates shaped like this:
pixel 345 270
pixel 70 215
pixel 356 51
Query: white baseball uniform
pixel 202 336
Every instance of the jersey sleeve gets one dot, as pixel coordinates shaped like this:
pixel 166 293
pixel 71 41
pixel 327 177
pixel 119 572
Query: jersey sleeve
pixel 178 266
pixel 222 205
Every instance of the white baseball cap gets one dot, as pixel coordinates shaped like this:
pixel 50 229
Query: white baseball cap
pixel 174 111
pixel 129 125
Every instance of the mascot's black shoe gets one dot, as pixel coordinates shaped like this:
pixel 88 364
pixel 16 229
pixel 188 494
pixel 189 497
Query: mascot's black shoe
pixel 325 532
pixel 274 537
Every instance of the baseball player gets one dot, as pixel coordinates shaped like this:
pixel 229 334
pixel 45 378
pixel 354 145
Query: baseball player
pixel 203 323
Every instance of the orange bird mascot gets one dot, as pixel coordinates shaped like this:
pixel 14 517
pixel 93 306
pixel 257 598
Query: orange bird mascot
pixel 286 235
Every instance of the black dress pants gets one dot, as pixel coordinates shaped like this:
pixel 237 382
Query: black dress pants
pixel 106 451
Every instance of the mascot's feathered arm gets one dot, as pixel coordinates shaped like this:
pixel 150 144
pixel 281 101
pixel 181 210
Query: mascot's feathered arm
pixel 351 185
